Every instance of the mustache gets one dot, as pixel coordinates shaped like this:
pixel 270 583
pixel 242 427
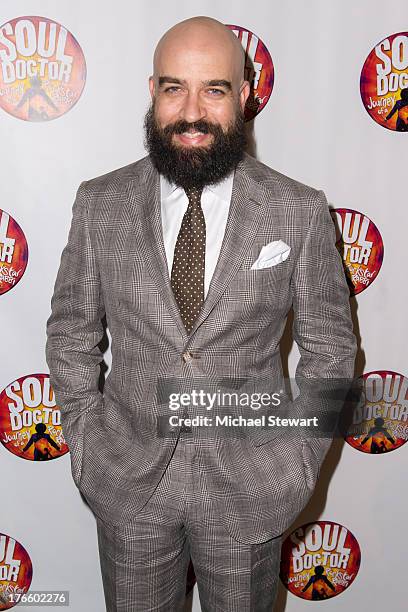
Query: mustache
pixel 205 127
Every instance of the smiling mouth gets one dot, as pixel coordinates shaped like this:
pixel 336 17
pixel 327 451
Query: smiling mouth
pixel 192 138
pixel 192 134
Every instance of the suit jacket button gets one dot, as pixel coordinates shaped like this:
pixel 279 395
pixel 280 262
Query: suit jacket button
pixel 187 356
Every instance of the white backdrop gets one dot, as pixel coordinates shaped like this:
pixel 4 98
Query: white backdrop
pixel 315 129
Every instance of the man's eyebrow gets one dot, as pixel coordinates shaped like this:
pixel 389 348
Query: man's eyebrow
pixel 219 83
pixel 169 79
pixel 212 83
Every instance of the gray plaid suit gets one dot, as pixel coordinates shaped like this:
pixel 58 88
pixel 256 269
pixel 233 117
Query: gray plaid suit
pixel 114 264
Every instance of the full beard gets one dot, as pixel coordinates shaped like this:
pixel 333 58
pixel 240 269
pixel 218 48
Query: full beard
pixel 189 167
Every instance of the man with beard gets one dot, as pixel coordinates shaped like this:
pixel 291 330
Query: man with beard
pixel 195 254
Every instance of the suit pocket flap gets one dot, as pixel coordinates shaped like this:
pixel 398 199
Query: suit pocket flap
pixel 263 435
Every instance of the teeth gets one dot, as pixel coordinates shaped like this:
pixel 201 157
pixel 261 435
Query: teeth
pixel 192 135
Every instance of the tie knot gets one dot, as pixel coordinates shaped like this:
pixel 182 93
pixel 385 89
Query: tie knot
pixel 194 195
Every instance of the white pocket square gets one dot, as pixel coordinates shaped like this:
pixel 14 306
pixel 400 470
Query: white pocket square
pixel 271 254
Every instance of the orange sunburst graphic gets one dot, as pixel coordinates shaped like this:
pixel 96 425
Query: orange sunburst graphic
pixel 13 252
pixel 360 244
pixel 384 83
pixel 379 421
pixel 16 571
pixel 42 69
pixel 319 560
pixel 30 420
pixel 259 70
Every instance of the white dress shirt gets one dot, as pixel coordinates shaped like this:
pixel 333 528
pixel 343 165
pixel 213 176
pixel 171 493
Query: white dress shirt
pixel 215 202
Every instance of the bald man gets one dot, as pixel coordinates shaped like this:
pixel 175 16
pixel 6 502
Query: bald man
pixel 195 254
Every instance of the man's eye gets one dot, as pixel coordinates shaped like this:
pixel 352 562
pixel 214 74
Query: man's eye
pixel 215 92
pixel 172 89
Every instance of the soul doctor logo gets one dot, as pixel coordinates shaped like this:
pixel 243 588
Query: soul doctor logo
pixel 30 420
pixel 319 560
pixel 384 82
pixel 259 70
pixel 16 571
pixel 379 422
pixel 360 245
pixel 42 69
pixel 13 252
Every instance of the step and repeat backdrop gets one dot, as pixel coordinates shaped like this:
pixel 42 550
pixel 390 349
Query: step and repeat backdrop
pixel 329 107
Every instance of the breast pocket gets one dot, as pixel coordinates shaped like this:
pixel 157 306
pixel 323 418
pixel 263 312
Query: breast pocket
pixel 275 273
pixel 262 279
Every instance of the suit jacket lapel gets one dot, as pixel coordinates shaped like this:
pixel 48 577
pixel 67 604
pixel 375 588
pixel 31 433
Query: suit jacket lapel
pixel 151 237
pixel 242 224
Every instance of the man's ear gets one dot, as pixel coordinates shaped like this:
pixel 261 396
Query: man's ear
pixel 244 93
pixel 151 86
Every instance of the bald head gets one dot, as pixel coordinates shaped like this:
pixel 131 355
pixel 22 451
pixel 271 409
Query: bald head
pixel 204 36
pixel 198 86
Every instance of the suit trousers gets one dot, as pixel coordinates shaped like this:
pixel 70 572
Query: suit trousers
pixel 144 562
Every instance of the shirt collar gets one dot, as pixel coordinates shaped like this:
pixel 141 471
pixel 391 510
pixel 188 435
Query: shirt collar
pixel 222 190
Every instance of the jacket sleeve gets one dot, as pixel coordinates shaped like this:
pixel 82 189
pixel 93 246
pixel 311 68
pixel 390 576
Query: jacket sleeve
pixel 322 329
pixel 74 331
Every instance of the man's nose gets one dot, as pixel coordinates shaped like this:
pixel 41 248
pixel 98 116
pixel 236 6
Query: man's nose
pixel 193 109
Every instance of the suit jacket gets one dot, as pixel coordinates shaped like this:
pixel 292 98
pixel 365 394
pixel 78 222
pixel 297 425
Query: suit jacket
pixel 114 263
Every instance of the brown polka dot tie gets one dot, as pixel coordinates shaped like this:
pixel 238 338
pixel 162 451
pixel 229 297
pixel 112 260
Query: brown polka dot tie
pixel 187 273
